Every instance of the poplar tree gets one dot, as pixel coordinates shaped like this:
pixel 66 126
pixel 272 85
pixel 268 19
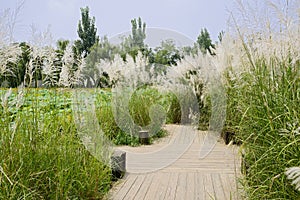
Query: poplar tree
pixel 87 33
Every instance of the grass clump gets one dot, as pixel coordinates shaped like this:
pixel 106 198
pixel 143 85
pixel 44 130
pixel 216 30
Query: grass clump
pixel 264 112
pixel 41 155
pixel 139 110
pixel 262 78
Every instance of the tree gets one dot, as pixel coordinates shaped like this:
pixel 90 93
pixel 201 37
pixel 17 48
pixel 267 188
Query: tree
pixel 138 31
pixel 190 50
pixel 103 50
pixel 22 63
pixel 135 42
pixel 87 33
pixel 62 45
pixel 167 53
pixel 204 42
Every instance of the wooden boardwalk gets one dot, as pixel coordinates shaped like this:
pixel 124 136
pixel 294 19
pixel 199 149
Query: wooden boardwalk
pixel 171 169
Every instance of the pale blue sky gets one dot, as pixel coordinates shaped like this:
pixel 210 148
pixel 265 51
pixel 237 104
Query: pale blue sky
pixel 113 16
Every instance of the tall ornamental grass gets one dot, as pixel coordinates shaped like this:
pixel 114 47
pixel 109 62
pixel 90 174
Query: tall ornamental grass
pixel 41 156
pixel 139 110
pixel 263 88
pixel 266 107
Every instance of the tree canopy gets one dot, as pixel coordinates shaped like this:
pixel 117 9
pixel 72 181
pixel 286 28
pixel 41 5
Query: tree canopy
pixel 87 33
pixel 204 41
pixel 167 53
pixel 135 42
pixel 138 31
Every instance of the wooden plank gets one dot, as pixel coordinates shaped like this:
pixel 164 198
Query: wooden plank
pixel 125 187
pixel 163 185
pixel 218 187
pixel 188 177
pixel 135 187
pixel 227 186
pixel 208 187
pixel 234 184
pixel 200 188
pixel 172 184
pixel 155 186
pixel 181 188
pixel 191 184
pixel 144 187
pixel 199 170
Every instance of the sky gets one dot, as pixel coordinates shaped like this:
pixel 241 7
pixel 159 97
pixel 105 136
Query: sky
pixel 186 17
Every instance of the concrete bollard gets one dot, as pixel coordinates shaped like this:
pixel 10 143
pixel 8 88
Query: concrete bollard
pixel 144 137
pixel 118 164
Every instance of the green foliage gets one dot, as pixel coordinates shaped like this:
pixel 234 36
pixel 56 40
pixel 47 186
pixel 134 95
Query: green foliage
pixel 174 109
pixel 140 105
pixel 105 50
pixel 21 65
pixel 140 110
pixel 205 113
pixel 138 31
pixel 41 155
pixel 204 41
pixel 135 42
pixel 87 33
pixel 62 46
pixel 263 110
pixel 190 50
pixel 166 54
pixel 107 121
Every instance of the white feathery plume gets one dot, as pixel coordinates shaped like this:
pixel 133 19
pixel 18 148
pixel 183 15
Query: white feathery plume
pixel 293 173
pixel 49 69
pixel 8 54
pixel 67 64
pixel 4 99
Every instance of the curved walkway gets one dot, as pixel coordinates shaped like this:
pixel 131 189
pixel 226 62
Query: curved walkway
pixel 171 169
